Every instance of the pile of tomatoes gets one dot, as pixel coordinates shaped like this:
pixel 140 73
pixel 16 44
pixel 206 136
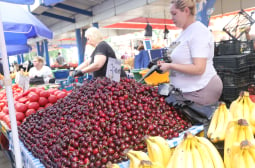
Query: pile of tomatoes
pixel 28 102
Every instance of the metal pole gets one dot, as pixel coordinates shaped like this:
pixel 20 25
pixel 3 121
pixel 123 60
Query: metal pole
pixel 8 88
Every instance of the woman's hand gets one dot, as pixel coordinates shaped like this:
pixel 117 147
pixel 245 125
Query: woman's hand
pixel 163 66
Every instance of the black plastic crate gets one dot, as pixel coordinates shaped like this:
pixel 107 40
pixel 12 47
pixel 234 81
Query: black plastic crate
pixel 252 74
pixel 251 59
pixel 231 93
pixel 238 79
pixel 230 62
pixel 233 47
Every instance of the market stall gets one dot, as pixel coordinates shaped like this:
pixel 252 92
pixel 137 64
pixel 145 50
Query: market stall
pixel 32 162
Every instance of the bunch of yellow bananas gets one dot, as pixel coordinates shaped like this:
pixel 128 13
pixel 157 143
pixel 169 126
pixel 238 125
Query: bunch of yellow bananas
pixel 219 122
pixel 243 155
pixel 195 152
pixel 243 107
pixel 159 154
pixel 237 131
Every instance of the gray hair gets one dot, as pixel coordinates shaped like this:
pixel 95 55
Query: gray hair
pixel 94 33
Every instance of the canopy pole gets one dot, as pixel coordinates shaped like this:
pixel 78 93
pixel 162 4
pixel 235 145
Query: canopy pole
pixel 47 58
pixel 79 46
pixel 8 88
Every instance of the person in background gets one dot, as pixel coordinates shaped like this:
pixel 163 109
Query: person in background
pixel 97 63
pixel 192 69
pixel 40 70
pixel 60 59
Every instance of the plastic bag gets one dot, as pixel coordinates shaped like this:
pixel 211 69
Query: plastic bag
pixel 196 113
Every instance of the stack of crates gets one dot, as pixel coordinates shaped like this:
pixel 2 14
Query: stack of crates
pixel 235 71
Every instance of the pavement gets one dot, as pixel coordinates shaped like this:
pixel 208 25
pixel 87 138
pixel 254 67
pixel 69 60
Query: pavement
pixel 4 161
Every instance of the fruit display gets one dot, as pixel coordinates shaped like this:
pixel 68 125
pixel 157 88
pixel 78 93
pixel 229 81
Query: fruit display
pixel 195 152
pixel 29 102
pixel 243 155
pixel 243 108
pixel 219 123
pixel 97 122
pixel 158 155
pixel 237 131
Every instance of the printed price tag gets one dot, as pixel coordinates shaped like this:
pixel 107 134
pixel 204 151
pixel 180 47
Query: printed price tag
pixel 113 69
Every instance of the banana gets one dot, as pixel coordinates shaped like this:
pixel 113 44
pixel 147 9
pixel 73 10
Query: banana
pixel 219 128
pixel 246 108
pixel 237 161
pixel 249 101
pixel 240 155
pixel 237 131
pixel 250 163
pixel 213 122
pixel 164 147
pixel 149 164
pixel 196 158
pixel 134 161
pixel 248 133
pixel 154 152
pixel 206 159
pixel 139 154
pixel 216 158
pixel 188 155
pixel 177 159
pixel 235 106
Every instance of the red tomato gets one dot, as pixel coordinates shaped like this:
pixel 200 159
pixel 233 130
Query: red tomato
pixel 38 91
pixel 32 89
pixel 16 98
pixel 40 108
pixel 61 95
pixel 2 115
pixel 2 105
pixel 6 119
pixel 23 100
pixel 20 116
pixel 26 93
pixel 52 99
pixel 33 105
pixel 18 123
pixel 48 104
pixel 42 101
pixel 52 91
pixel 30 111
pixel 44 93
pixel 33 97
pixel 21 107
pixel 6 110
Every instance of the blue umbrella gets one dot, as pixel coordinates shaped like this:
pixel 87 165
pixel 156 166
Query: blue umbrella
pixel 16 26
pixel 17 21
pixel 17 49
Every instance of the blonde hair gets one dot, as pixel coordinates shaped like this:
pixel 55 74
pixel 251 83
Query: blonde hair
pixel 191 4
pixel 94 33
pixel 39 59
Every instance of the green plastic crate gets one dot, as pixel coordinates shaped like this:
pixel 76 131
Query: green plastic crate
pixel 137 74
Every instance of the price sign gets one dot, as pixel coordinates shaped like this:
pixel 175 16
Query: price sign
pixel 113 69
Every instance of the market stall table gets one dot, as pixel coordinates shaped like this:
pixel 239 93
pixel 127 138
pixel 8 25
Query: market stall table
pixel 30 161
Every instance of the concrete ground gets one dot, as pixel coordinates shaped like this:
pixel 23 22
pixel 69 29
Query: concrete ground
pixel 4 160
